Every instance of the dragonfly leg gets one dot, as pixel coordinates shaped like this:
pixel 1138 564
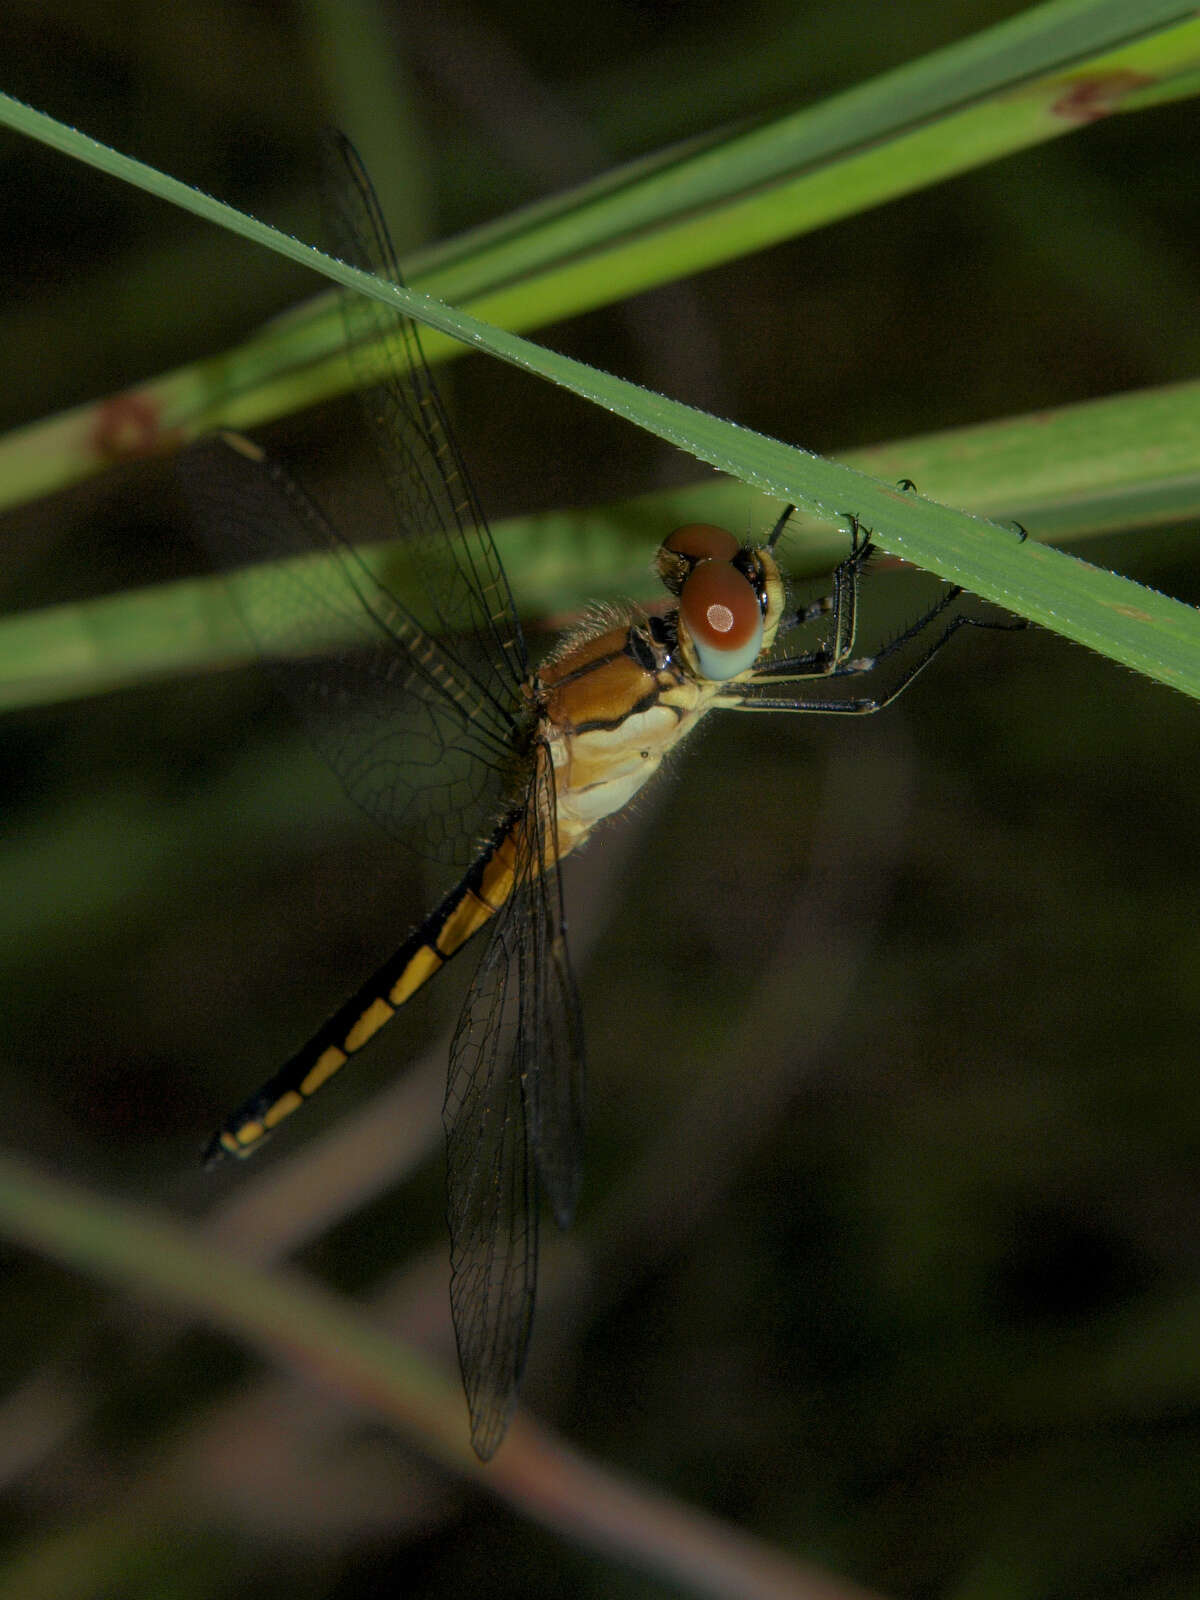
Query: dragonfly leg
pixel 841 604
pixel 781 523
pixel 865 705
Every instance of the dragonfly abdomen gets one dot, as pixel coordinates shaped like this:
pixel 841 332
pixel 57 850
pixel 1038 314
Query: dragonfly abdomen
pixel 474 901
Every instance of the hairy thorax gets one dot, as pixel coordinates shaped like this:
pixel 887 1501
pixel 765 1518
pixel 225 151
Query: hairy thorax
pixel 613 702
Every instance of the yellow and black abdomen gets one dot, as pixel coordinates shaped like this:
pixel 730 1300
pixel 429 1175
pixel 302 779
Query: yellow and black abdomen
pixel 475 900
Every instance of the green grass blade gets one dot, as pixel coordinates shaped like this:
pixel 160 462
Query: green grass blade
pixel 124 1246
pixel 1079 467
pixel 302 1326
pixel 1054 69
pixel 1040 75
pixel 1145 631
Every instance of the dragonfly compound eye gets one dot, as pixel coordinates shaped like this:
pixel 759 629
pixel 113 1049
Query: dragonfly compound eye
pixel 702 541
pixel 722 619
pixel 694 542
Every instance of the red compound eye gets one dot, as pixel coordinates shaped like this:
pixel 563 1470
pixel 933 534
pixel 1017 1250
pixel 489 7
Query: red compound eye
pixel 720 610
pixel 702 541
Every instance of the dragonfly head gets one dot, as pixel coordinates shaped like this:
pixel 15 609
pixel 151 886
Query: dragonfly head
pixel 731 598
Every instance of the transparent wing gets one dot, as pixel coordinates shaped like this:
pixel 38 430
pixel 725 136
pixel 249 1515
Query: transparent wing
pixel 467 592
pixel 405 727
pixel 551 1021
pixel 513 1107
pixel 418 708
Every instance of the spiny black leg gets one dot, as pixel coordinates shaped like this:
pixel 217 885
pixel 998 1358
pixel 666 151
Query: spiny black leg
pixel 907 485
pixel 842 604
pixel 860 553
pixel 832 659
pixel 860 540
pixel 846 579
pixel 941 604
pixel 819 663
pixel 1022 531
pixel 867 705
pixel 780 525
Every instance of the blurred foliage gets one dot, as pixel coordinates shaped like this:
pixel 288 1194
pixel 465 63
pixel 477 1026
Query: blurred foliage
pixel 888 1247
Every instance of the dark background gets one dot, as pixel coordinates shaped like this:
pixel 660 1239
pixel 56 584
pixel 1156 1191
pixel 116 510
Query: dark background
pixel 889 1231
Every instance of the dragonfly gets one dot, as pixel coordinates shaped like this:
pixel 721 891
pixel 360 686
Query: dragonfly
pixel 440 728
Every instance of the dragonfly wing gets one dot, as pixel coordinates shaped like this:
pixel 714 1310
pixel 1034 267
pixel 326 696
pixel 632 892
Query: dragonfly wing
pixel 551 1017
pixel 404 727
pixel 513 1108
pixel 492 1193
pixel 467 590
pixel 419 708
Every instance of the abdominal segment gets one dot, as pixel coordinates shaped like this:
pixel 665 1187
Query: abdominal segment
pixel 476 899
